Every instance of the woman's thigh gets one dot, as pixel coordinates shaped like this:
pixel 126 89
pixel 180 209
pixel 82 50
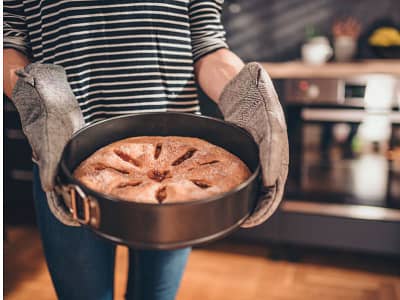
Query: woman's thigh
pixel 155 275
pixel 81 264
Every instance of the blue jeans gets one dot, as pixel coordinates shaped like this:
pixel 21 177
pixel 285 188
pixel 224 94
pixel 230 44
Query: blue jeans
pixel 81 264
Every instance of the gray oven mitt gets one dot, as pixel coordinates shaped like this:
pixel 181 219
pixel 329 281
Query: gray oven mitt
pixel 250 101
pixel 49 116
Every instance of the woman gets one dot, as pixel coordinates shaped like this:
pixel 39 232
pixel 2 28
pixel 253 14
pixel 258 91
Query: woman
pixel 119 57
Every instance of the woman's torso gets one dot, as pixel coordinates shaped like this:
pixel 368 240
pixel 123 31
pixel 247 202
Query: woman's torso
pixel 120 56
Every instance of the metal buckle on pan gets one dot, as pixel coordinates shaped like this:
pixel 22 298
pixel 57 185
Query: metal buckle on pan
pixel 75 190
pixel 72 193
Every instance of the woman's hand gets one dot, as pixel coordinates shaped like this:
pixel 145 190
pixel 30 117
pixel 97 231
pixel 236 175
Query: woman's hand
pixel 249 100
pixel 49 115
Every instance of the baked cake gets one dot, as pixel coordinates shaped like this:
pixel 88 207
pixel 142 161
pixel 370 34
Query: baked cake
pixel 155 169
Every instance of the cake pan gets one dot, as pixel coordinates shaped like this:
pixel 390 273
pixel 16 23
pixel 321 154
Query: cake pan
pixel 159 226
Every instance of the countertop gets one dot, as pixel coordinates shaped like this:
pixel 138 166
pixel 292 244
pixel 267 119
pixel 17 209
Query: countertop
pixel 298 69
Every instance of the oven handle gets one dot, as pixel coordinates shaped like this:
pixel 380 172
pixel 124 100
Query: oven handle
pixel 342 115
pixel 362 212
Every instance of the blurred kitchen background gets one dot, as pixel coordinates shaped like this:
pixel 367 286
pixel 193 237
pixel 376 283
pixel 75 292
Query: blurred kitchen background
pixel 275 30
pixel 336 66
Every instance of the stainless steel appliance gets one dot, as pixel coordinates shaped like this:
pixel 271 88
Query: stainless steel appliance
pixel 343 188
pixel 343 134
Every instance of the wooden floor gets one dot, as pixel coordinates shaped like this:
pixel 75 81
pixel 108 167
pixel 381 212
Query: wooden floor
pixel 225 270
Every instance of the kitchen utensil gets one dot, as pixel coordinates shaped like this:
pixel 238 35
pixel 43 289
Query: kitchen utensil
pixel 155 226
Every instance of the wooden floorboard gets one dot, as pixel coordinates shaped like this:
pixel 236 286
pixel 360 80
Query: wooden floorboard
pixel 225 271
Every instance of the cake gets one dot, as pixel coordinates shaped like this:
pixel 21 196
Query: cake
pixel 155 169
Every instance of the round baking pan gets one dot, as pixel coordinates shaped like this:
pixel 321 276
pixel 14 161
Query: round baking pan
pixel 168 225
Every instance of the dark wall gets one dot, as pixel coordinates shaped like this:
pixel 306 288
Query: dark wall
pixel 273 30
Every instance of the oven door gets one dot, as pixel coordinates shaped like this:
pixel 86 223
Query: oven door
pixel 344 156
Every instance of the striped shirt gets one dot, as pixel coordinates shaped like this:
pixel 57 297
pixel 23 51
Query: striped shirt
pixel 120 56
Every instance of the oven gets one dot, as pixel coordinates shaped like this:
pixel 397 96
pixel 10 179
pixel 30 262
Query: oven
pixel 343 188
pixel 345 143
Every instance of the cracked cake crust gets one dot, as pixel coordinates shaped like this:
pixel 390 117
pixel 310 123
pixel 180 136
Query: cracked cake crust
pixel 155 169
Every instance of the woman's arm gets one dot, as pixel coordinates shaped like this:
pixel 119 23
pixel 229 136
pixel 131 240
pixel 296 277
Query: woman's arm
pixel 15 43
pixel 246 97
pixel 13 60
pixel 215 70
pixel 214 65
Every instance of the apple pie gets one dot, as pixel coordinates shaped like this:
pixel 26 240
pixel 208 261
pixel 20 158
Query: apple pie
pixel 156 169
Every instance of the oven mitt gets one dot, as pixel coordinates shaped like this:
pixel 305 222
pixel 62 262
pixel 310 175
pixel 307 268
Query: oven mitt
pixel 250 101
pixel 49 114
